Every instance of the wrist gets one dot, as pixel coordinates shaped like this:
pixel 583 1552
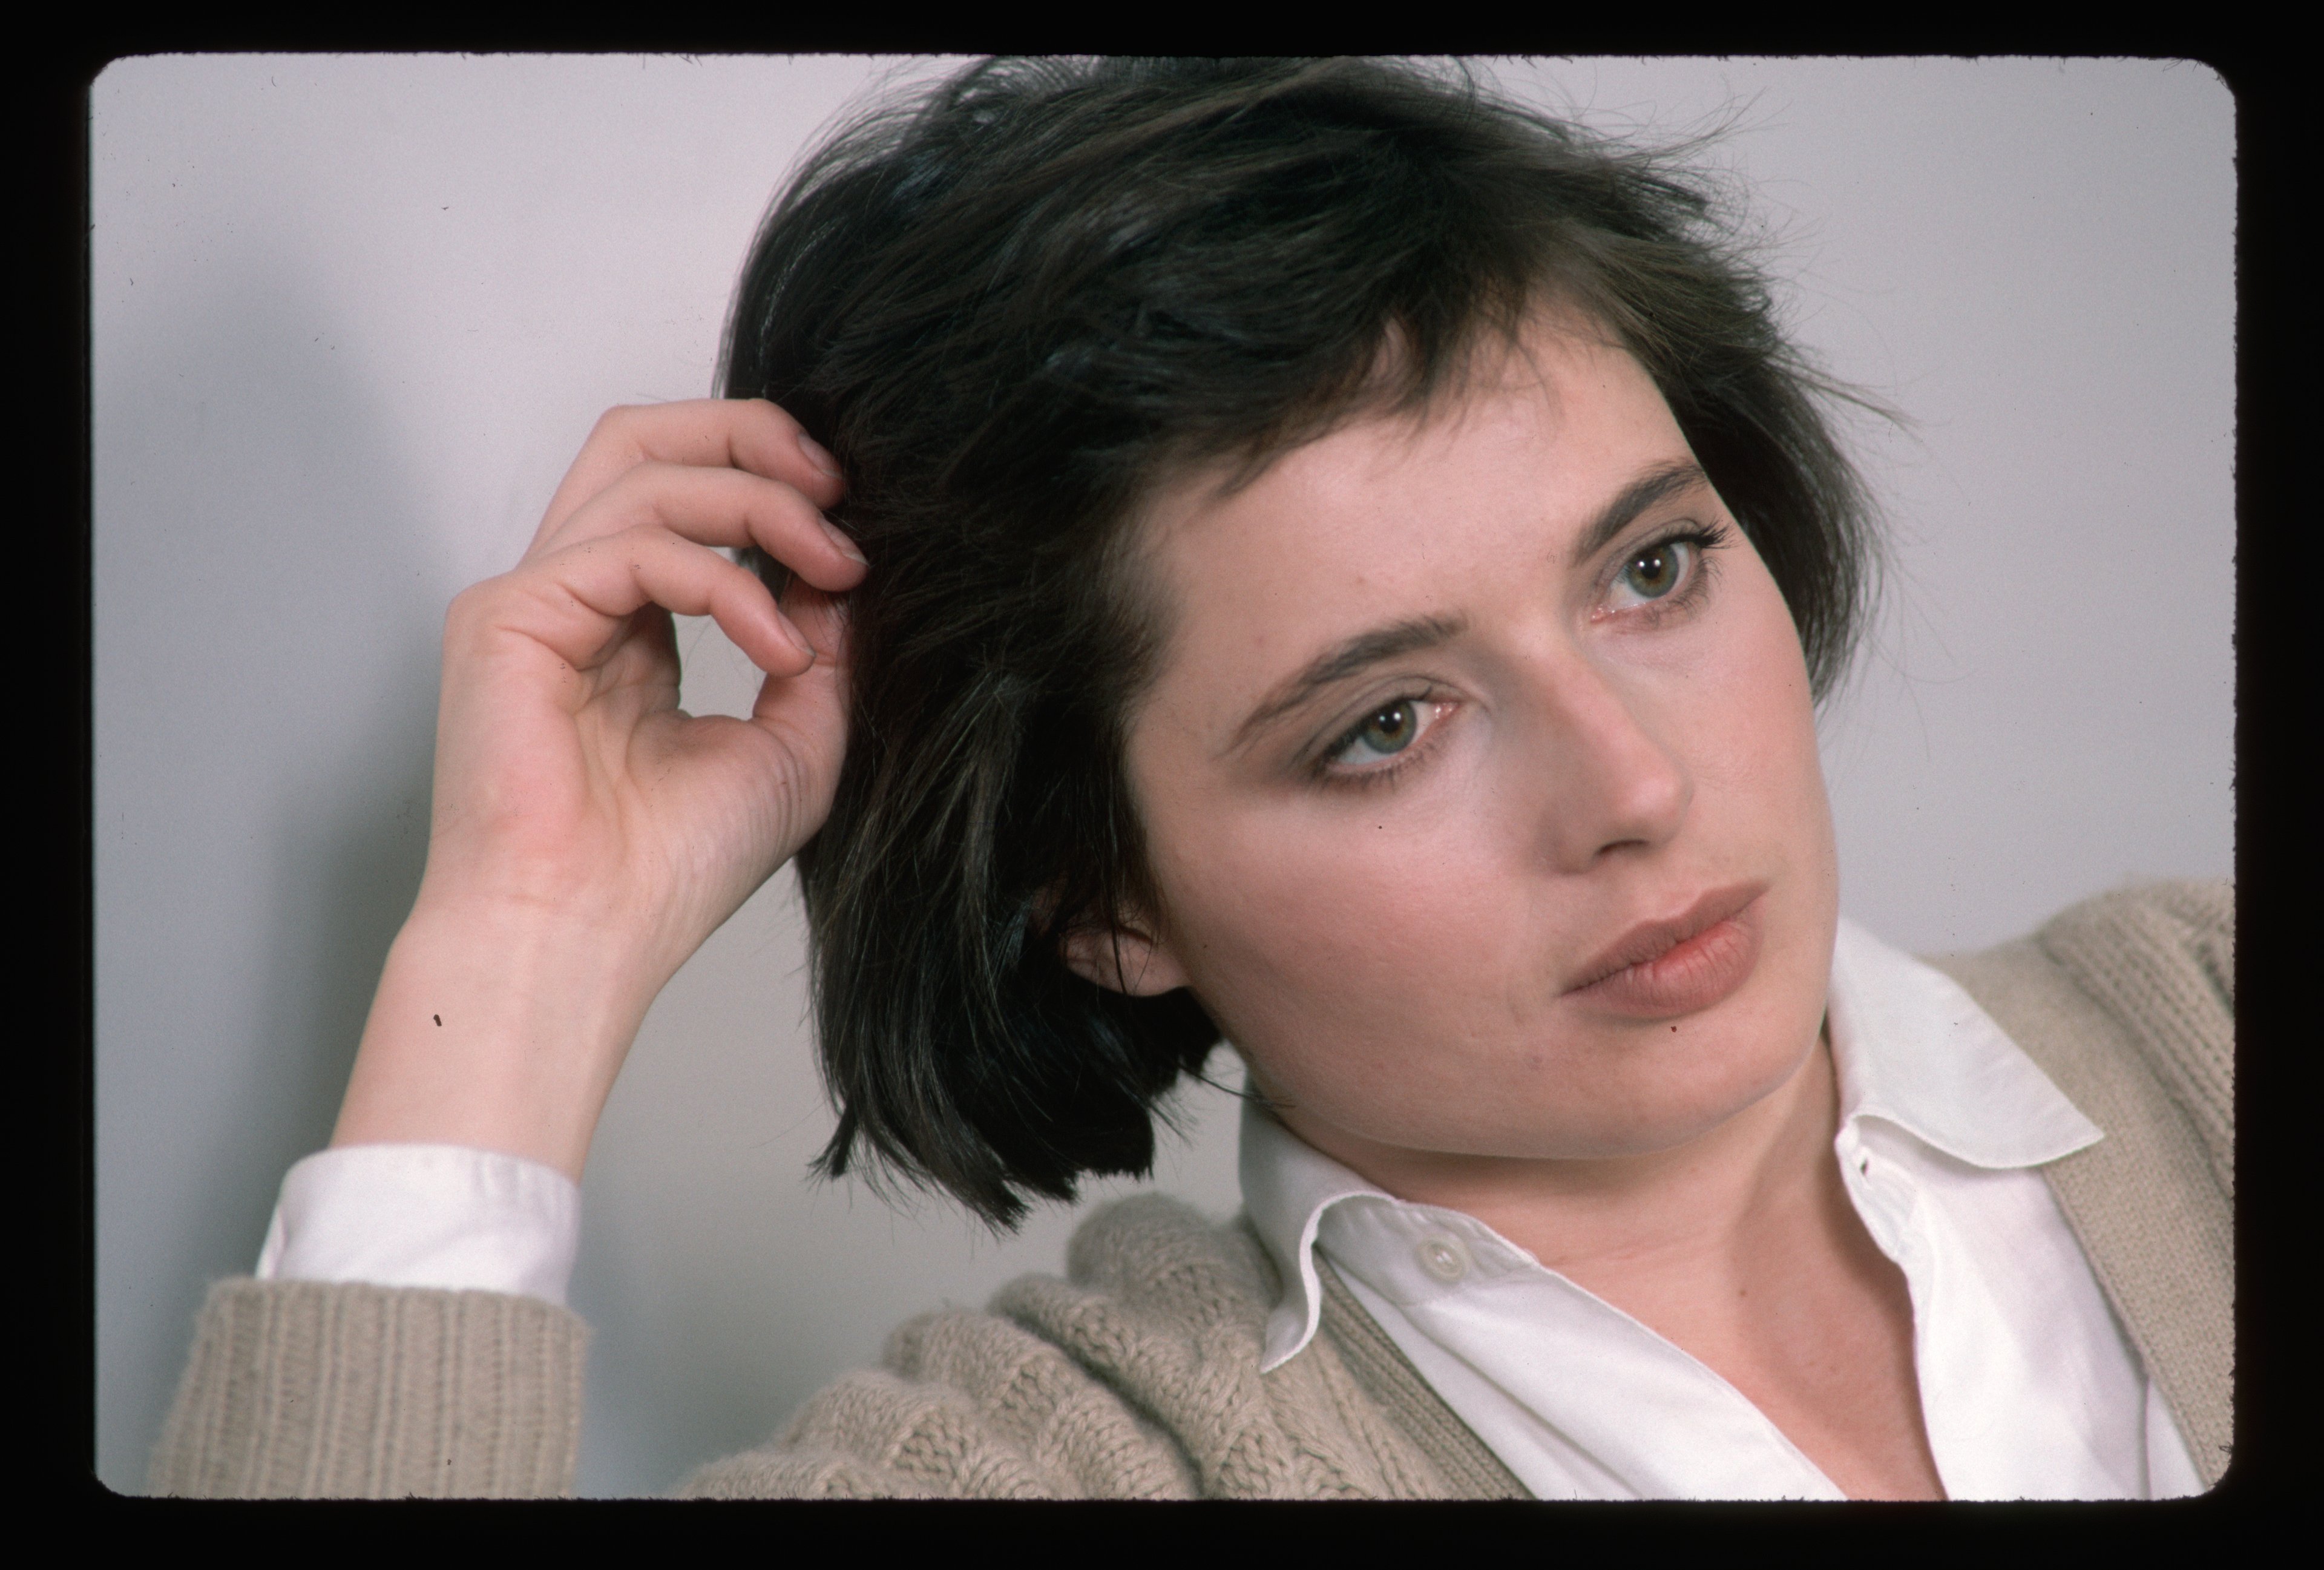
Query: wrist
pixel 497 1027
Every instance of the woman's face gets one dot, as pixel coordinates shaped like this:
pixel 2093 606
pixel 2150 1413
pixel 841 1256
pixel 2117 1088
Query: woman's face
pixel 1481 782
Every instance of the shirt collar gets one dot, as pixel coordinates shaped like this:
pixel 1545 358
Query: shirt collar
pixel 1287 1185
pixel 1912 1048
pixel 1909 1046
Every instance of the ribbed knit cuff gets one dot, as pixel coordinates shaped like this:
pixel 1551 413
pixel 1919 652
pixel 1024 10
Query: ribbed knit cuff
pixel 311 1389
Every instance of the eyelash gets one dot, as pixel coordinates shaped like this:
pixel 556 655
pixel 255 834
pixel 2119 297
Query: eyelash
pixel 1706 539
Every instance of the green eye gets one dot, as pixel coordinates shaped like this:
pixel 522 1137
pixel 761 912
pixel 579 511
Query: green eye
pixel 1390 729
pixel 1654 571
pixel 1675 568
pixel 1367 751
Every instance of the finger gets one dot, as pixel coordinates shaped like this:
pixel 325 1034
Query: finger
pixel 724 507
pixel 812 729
pixel 821 617
pixel 578 602
pixel 748 434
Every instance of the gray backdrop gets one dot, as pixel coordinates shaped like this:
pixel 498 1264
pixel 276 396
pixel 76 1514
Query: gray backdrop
pixel 352 318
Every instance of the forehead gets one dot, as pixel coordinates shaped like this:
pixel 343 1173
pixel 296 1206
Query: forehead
pixel 1552 414
pixel 1391 517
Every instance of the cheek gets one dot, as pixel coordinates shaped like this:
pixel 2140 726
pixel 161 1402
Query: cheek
pixel 1350 931
pixel 1760 789
pixel 1380 1004
pixel 1354 927
pixel 1399 946
pixel 1749 713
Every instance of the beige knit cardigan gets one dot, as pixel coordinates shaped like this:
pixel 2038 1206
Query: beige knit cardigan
pixel 1136 1375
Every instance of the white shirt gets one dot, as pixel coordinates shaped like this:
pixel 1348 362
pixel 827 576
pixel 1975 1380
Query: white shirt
pixel 2028 1386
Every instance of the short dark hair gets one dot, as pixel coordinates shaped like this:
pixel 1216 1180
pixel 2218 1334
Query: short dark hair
pixel 1012 306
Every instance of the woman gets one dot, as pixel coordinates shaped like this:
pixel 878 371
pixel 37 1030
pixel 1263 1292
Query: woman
pixel 1303 554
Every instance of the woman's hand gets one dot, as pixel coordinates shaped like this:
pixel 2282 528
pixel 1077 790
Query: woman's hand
pixel 588 834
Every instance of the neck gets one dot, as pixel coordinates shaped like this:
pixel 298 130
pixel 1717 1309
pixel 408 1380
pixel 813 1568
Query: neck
pixel 1634 1228
pixel 1742 1249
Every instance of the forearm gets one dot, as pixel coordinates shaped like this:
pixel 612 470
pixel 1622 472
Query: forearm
pixel 496 1029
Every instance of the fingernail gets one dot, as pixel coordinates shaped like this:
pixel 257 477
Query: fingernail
pixel 817 455
pixel 796 639
pixel 847 548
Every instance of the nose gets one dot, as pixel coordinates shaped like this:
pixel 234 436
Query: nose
pixel 1613 784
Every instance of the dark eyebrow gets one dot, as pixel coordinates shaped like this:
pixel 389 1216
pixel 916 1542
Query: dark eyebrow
pixel 1658 483
pixel 1344 659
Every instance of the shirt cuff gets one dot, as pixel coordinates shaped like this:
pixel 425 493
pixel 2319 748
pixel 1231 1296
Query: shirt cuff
pixel 426 1215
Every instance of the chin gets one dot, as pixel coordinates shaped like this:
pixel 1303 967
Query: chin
pixel 1631 1096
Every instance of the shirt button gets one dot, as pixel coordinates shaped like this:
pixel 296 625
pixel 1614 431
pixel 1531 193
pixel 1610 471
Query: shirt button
pixel 1444 1257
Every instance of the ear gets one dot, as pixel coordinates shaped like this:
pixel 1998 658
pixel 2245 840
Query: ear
pixel 1122 959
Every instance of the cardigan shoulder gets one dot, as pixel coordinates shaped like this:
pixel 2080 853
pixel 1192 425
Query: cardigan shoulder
pixel 2160 960
pixel 1116 1381
pixel 1135 1375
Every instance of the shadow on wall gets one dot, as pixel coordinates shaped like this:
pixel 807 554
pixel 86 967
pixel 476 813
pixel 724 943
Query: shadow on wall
pixel 267 625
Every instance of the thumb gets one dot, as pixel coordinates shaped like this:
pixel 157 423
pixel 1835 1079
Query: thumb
pixel 824 619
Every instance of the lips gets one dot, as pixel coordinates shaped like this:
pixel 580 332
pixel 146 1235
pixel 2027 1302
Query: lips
pixel 1680 964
